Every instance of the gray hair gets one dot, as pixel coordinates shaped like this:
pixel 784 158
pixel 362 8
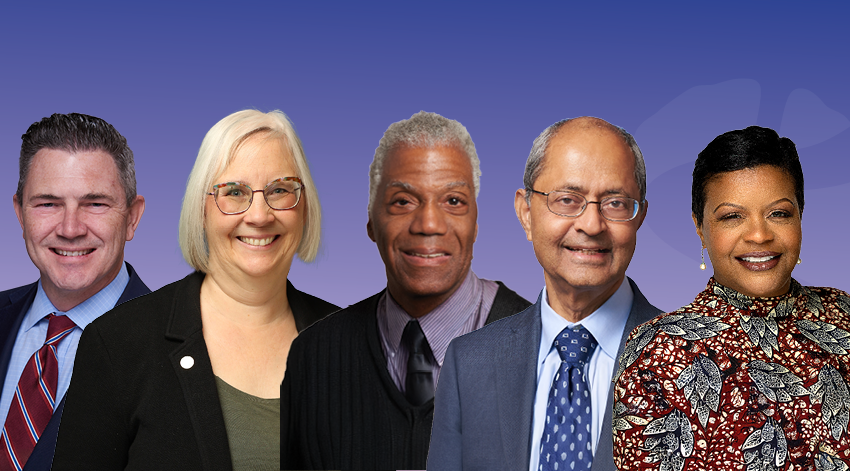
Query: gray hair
pixel 534 164
pixel 73 133
pixel 217 150
pixel 423 130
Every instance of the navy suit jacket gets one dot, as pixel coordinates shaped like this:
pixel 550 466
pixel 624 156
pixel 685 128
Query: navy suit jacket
pixel 485 397
pixel 14 304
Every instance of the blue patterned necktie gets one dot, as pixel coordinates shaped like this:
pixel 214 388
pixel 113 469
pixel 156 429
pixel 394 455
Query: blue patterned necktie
pixel 566 443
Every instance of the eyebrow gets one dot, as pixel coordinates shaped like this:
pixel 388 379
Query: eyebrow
pixel 409 187
pixel 737 206
pixel 86 197
pixel 456 184
pixel 402 185
pixel 44 196
pixel 581 190
pixel 96 196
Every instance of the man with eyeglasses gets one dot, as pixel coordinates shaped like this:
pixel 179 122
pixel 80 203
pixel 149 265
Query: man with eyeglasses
pixel 534 391
pixel 359 385
pixel 76 202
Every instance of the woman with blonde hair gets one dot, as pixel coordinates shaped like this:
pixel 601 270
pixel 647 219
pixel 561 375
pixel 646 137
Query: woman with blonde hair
pixel 189 376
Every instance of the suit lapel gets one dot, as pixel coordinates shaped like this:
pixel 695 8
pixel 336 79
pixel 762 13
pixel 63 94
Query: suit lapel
pixel 11 316
pixel 516 363
pixel 197 381
pixel 641 312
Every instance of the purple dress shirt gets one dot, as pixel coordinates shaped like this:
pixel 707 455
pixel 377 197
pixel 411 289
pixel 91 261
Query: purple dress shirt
pixel 465 310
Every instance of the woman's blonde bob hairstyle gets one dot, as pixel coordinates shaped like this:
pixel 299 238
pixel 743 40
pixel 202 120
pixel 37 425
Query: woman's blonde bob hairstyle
pixel 217 150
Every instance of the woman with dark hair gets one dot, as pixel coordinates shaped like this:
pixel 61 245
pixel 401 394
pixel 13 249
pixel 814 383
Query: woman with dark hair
pixel 754 373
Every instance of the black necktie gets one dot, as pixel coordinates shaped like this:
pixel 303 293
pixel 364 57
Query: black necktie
pixel 419 384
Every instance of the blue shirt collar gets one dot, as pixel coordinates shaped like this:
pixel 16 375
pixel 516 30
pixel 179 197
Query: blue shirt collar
pixel 606 323
pixel 85 312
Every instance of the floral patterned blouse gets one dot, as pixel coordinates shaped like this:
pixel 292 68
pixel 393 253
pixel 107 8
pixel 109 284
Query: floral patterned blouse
pixel 734 382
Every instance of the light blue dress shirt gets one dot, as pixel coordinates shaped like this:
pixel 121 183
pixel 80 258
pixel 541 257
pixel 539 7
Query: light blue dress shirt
pixel 607 325
pixel 33 331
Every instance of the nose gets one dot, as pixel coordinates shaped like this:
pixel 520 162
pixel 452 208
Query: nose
pixel 590 221
pixel 260 213
pixel 758 231
pixel 72 225
pixel 429 219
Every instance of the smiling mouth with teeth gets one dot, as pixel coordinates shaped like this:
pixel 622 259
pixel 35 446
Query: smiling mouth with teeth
pixel 257 242
pixel 758 259
pixel 427 255
pixel 571 249
pixel 77 253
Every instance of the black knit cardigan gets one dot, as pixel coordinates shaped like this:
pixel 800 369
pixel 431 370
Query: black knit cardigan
pixel 339 406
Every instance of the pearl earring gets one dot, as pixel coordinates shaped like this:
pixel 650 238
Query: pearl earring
pixel 799 261
pixel 702 256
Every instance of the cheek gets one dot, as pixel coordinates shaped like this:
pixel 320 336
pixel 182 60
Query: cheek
pixel 716 240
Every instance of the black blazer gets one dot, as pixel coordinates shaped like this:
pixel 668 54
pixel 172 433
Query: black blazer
pixel 131 405
pixel 14 304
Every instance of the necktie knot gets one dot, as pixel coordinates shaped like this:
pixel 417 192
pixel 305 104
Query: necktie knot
pixel 419 381
pixel 575 345
pixel 414 338
pixel 57 328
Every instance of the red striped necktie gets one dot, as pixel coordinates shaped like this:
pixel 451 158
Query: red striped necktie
pixel 35 398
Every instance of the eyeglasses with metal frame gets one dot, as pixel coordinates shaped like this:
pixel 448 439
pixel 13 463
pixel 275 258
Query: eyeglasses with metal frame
pixel 572 205
pixel 236 198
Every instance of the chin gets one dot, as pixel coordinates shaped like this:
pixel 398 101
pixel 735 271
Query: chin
pixel 429 287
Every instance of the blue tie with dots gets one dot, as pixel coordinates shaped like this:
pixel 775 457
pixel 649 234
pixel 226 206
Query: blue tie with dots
pixel 565 445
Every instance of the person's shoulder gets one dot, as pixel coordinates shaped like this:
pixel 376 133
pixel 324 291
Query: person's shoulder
pixel 148 311
pixel 306 308
pixel 827 292
pixel 348 319
pixel 828 304
pixel 499 330
pixel 642 307
pixel 319 304
pixel 11 296
pixel 508 300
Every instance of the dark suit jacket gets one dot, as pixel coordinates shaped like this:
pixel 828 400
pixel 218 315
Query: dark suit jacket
pixel 485 397
pixel 14 304
pixel 131 404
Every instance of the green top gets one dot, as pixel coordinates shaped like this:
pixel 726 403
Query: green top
pixel 253 428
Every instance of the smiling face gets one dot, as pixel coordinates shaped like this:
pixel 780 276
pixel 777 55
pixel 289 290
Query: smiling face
pixel 752 230
pixel 423 220
pixel 75 222
pixel 585 254
pixel 261 241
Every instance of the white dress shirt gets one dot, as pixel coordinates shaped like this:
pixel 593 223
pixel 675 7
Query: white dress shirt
pixel 606 324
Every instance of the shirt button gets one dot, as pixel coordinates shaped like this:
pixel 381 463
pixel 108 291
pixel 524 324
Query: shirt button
pixel 187 362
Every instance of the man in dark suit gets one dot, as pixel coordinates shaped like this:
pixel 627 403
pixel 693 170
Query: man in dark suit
pixel 359 385
pixel 77 205
pixel 534 391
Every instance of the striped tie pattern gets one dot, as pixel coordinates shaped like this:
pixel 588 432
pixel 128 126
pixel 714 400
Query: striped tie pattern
pixel 35 398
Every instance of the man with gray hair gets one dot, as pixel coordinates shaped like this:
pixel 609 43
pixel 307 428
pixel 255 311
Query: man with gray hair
pixel 534 391
pixel 77 205
pixel 359 385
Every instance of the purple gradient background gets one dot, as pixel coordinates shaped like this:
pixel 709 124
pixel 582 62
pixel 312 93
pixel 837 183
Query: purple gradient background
pixel 675 76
